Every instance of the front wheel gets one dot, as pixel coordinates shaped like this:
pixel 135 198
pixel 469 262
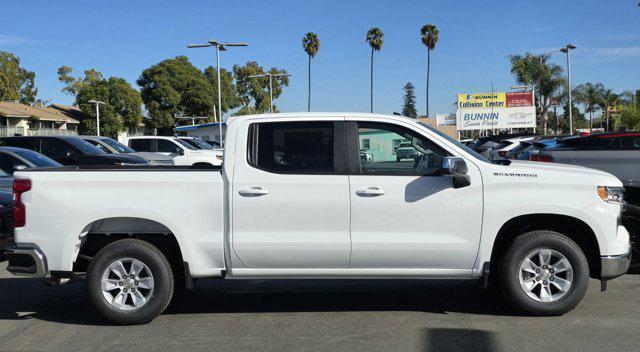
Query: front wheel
pixel 130 282
pixel 544 273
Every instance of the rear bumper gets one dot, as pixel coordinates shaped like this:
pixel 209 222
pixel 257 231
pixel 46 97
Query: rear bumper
pixel 614 265
pixel 26 261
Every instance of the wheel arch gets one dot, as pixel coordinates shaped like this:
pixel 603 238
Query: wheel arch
pixel 576 229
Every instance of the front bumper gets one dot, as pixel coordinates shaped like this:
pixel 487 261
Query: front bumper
pixel 612 266
pixel 26 261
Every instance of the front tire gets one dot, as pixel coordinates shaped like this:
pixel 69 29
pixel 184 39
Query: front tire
pixel 544 273
pixel 130 282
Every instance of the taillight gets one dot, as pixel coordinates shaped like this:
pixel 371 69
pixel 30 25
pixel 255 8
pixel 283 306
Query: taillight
pixel 19 213
pixel 542 158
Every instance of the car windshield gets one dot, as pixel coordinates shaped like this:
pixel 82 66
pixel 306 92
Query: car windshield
pixel 121 148
pixel 458 144
pixel 197 143
pixel 185 144
pixel 37 159
pixel 85 147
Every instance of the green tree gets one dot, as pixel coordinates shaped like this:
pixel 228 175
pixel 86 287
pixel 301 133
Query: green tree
pixel 311 45
pixel 630 117
pixel 591 96
pixel 409 104
pixel 610 100
pixel 429 34
pixel 256 90
pixel 123 104
pixel 16 82
pixel 546 78
pixel 230 98
pixel 375 40
pixel 174 88
pixel 578 118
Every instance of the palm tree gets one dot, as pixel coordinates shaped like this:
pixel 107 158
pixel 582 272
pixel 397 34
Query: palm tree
pixel 533 70
pixel 429 35
pixel 590 95
pixel 374 38
pixel 311 45
pixel 609 101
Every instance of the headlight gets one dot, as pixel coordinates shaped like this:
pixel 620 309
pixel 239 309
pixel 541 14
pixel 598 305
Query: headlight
pixel 611 194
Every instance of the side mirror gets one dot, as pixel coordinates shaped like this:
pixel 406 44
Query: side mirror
pixel 179 151
pixel 457 168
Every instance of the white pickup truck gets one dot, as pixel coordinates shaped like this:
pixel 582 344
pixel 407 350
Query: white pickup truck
pixel 293 200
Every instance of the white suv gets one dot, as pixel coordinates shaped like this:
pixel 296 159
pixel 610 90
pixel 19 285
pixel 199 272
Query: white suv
pixel 182 152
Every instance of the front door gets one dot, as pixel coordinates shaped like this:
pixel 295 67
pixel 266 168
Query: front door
pixel 290 196
pixel 404 215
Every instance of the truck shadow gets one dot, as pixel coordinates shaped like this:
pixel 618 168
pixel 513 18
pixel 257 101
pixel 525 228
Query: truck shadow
pixel 31 299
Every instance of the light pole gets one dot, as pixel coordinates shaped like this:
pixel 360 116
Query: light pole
pixel 219 47
pixel 97 114
pixel 270 75
pixel 566 49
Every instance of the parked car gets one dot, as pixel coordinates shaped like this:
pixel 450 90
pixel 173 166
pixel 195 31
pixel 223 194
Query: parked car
pixel 12 159
pixel 502 150
pixel 182 152
pixel 111 146
pixel 197 143
pixel 293 200
pixel 485 145
pixel 6 220
pixel 405 151
pixel 533 147
pixel 69 150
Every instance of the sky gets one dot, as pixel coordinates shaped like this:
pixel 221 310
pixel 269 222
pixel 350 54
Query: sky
pixel 122 38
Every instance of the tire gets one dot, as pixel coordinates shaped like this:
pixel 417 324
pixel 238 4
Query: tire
pixel 156 275
pixel 515 281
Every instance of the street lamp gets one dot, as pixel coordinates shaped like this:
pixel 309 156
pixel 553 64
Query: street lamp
pixel 566 49
pixel 97 114
pixel 270 75
pixel 219 47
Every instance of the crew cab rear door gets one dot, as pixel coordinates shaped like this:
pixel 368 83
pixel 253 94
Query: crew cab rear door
pixel 290 196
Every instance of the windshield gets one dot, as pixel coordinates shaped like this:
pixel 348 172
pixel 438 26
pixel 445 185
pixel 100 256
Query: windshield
pixel 119 147
pixel 84 146
pixel 197 143
pixel 458 144
pixel 37 159
pixel 185 144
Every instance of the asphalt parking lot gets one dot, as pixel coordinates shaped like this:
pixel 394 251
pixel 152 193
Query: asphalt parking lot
pixel 319 316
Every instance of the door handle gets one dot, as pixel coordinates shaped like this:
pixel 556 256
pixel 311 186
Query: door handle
pixel 371 192
pixel 253 192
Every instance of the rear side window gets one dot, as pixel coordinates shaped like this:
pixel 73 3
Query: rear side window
pixel 292 147
pixel 55 148
pixel 26 143
pixel 165 146
pixel 140 145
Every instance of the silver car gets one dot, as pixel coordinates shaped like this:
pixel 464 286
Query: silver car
pixel 111 146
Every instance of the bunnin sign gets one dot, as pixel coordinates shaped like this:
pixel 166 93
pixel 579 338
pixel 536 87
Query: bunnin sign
pixel 482 111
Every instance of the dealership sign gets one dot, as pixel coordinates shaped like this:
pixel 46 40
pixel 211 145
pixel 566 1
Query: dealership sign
pixel 495 111
pixel 446 119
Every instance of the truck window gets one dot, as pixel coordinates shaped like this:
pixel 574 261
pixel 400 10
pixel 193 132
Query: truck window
pixel 166 146
pixel 292 147
pixel 415 157
pixel 141 145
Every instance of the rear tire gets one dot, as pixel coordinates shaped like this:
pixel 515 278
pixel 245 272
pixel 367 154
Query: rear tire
pixel 544 273
pixel 130 282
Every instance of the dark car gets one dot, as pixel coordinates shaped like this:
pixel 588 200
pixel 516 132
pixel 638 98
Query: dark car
pixel 12 159
pixel 69 150
pixel 6 220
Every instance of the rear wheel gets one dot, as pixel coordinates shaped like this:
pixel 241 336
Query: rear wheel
pixel 130 282
pixel 544 273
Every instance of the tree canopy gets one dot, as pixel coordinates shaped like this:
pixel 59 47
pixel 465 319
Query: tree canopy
pixel 409 105
pixel 16 82
pixel 256 90
pixel 123 104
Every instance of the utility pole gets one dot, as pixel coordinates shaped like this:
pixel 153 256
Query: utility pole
pixel 97 114
pixel 219 47
pixel 270 75
pixel 566 49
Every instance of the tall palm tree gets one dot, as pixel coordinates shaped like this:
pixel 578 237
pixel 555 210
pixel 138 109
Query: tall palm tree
pixel 609 101
pixel 590 95
pixel 429 35
pixel 374 39
pixel 311 45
